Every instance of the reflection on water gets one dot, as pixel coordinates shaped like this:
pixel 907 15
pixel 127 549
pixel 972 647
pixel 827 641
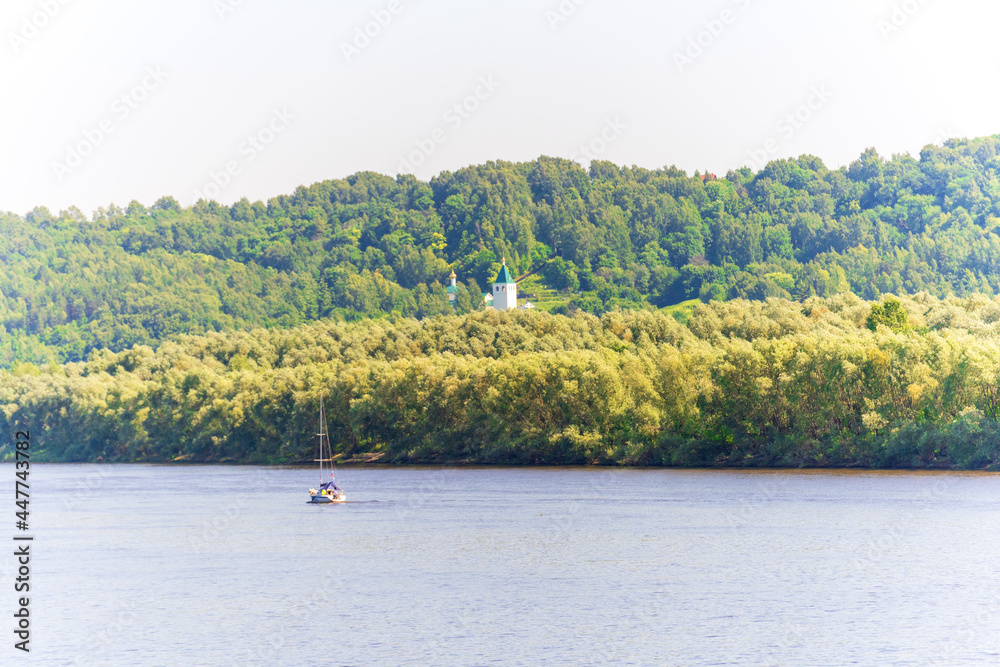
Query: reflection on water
pixel 148 565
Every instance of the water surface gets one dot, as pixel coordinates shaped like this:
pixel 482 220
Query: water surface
pixel 155 565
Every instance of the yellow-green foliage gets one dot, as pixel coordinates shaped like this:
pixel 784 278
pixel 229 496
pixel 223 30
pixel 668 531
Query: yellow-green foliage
pixel 742 383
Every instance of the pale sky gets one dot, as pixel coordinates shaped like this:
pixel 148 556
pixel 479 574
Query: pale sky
pixel 108 101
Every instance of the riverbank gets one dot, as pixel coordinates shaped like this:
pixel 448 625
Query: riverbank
pixel 741 384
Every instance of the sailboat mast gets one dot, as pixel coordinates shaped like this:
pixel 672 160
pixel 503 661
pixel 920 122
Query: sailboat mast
pixel 325 452
pixel 329 446
pixel 321 422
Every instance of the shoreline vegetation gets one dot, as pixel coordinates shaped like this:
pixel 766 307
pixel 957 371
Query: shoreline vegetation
pixel 827 383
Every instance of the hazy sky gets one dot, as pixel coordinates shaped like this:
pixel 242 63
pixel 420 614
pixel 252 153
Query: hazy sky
pixel 106 101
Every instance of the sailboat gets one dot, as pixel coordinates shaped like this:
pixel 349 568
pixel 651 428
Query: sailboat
pixel 328 491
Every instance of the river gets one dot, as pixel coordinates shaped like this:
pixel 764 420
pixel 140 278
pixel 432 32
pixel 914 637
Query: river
pixel 204 565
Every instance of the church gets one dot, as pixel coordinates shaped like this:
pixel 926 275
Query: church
pixel 504 290
pixel 503 296
pixel 452 290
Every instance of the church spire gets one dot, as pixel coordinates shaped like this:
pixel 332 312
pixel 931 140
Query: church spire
pixel 504 277
pixel 452 289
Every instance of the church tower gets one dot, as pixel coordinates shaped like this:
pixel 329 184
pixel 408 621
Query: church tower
pixel 452 290
pixel 504 290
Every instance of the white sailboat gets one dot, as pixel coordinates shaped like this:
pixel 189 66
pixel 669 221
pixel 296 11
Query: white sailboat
pixel 328 491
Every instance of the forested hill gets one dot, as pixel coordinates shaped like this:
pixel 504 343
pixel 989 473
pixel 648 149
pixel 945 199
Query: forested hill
pixel 614 237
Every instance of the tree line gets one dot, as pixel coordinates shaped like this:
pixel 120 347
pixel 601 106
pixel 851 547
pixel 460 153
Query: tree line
pixel 912 381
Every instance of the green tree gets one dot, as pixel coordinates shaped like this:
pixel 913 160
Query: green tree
pixel 890 313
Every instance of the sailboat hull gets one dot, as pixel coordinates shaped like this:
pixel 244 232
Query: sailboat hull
pixel 326 500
